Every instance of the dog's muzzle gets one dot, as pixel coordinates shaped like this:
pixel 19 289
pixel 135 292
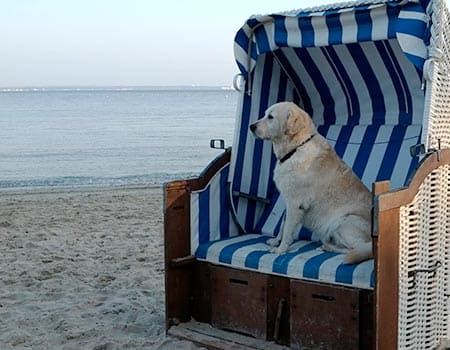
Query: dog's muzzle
pixel 253 128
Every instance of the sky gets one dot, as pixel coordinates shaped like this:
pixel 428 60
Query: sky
pixel 125 42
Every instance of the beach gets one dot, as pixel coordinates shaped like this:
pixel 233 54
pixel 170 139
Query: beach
pixel 82 268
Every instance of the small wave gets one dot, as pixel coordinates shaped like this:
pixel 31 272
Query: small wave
pixel 88 181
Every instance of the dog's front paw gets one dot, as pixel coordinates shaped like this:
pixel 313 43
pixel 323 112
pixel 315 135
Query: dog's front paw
pixel 273 242
pixel 278 250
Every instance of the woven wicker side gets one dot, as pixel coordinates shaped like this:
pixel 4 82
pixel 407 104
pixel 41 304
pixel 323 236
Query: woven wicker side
pixel 437 102
pixel 424 263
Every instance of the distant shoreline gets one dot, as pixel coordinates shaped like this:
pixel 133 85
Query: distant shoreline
pixel 120 88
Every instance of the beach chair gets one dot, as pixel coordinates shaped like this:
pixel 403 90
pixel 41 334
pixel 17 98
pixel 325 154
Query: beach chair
pixel 375 77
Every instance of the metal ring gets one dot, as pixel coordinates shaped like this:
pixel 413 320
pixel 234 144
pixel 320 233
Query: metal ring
pixel 238 82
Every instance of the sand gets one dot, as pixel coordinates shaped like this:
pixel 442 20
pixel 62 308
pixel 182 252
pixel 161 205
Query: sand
pixel 83 269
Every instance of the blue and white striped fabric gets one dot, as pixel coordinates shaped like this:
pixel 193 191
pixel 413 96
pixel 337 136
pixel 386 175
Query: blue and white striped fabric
pixel 303 260
pixel 357 70
pixel 210 212
pixel 358 22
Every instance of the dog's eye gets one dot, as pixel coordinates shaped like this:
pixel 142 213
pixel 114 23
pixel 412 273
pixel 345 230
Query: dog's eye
pixel 270 116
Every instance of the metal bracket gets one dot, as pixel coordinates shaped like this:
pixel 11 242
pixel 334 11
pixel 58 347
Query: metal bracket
pixel 433 271
pixel 419 150
pixel 217 143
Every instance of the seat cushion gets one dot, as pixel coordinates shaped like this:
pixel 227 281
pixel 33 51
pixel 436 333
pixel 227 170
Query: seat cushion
pixel 304 260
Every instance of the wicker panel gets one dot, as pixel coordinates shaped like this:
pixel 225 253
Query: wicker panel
pixel 424 264
pixel 437 106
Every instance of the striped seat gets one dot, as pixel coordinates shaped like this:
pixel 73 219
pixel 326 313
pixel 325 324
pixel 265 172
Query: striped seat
pixel 358 72
pixel 304 260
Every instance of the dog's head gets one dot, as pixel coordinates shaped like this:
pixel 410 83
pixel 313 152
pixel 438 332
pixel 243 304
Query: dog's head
pixel 283 121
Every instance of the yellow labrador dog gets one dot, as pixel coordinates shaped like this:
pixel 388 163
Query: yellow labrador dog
pixel 321 192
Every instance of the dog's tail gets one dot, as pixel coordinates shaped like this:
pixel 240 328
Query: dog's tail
pixel 360 253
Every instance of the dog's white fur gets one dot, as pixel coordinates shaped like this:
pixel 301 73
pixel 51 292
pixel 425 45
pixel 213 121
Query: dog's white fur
pixel 321 192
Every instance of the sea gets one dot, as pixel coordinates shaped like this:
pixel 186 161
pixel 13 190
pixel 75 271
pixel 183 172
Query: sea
pixel 110 136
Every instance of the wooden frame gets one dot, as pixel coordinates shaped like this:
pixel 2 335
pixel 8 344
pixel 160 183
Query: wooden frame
pixel 190 284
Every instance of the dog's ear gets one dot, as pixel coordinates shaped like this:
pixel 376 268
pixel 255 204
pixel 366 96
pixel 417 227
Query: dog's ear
pixel 297 120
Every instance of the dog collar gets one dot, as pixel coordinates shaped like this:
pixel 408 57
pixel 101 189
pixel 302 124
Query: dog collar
pixel 290 154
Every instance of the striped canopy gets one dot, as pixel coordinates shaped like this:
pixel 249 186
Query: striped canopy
pixel 345 23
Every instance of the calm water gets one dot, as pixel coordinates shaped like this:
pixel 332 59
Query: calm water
pixel 110 137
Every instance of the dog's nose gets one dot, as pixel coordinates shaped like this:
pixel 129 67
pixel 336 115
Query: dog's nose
pixel 253 127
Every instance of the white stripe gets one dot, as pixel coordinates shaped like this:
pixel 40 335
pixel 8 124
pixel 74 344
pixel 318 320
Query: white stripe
pixel 320 28
pixel 421 16
pixel 362 274
pixel 297 264
pixel 333 134
pixel 294 35
pixel 266 263
pixel 354 143
pixel 380 23
pixel 194 222
pixel 412 45
pixel 216 248
pixel 349 27
pixel 214 208
pixel 240 255
pixel 274 217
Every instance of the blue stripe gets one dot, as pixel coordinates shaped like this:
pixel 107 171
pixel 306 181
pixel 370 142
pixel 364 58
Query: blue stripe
pixel 304 97
pixel 342 141
pixel 202 250
pixel 262 40
pixel 364 22
pixel 344 273
pixel 252 260
pixel 365 149
pixel 243 133
pixel 305 234
pixel 392 13
pixel 305 25
pixel 371 81
pixel 224 207
pixel 312 266
pixel 226 254
pixel 281 34
pixel 412 27
pixel 242 40
pixel 204 214
pixel 334 28
pixel 416 60
pixel 400 89
pixel 319 82
pixel 258 149
pixel 277 229
pixel 372 279
pixel 280 264
pixel 391 154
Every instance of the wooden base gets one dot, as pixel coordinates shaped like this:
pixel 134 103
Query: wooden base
pixel 215 339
